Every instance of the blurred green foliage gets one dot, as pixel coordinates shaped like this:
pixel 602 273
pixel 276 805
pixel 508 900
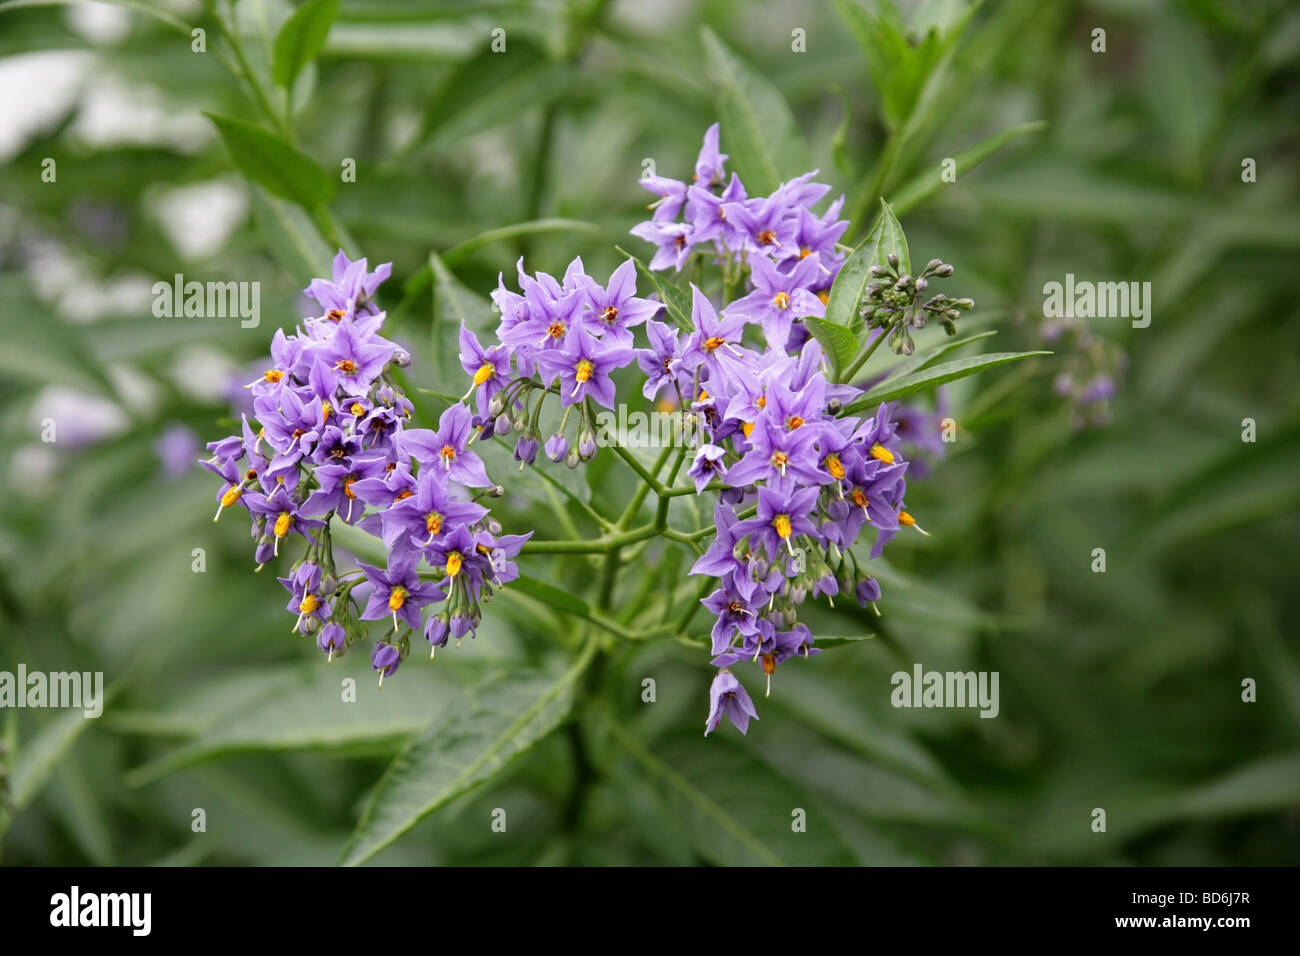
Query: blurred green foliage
pixel 1120 690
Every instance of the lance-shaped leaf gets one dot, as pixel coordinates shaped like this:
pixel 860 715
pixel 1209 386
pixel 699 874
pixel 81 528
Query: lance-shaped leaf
pixel 455 755
pixel 758 128
pixel 267 159
pixel 301 38
pixel 927 379
pixel 845 299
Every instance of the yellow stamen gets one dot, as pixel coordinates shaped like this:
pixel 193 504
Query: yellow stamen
pixel 346 366
pixel 325 411
pixel 609 315
pixel 447 453
pixel 308 604
pixel 583 370
pixel 231 496
pixel 824 296
pixel 779 460
pixel 335 315
pixel 282 524
pixel 881 453
pixel 781 300
pixel 907 521
pixel 782 525
pixel 454 562
pixel 485 372
pixel 747 428
pixel 804 252
pixel 357 409
pixel 767 237
pixel 272 375
pixel 433 523
pixel 714 342
pixel 793 422
pixel 396 598
pixel 835 467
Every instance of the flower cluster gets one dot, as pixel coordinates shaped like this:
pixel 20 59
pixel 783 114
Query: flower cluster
pixel 333 440
pixel 798 482
pixel 795 480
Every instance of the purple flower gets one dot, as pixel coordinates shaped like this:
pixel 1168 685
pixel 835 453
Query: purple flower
pixel 414 523
pixel 727 696
pixel 708 165
pixel 332 638
pixel 583 365
pixel 781 297
pixel 673 240
pixel 615 309
pixel 662 362
pixel 489 369
pixel 398 592
pixel 779 518
pixel 352 289
pixel 707 466
pixel 447 449
pixel 283 514
pixel 357 357
pixel 385 658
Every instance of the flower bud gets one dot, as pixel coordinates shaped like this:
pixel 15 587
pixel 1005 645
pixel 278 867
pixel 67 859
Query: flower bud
pixel 892 259
pixel 557 446
pixel 587 445
pixel 502 424
pixel 402 358
pixel 571 459
pixel 526 448
pixel 497 405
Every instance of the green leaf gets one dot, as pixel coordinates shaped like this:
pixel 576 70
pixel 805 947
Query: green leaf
pixel 301 39
pixel 927 379
pixel 453 756
pixel 676 300
pixel 759 132
pixel 927 357
pixel 845 300
pixel 306 711
pixel 827 643
pixel 927 184
pixel 39 757
pixel 839 342
pixel 291 236
pixel 267 159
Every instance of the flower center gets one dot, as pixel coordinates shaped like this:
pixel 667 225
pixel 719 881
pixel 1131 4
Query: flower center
pixel 767 237
pixel 347 488
pixel 858 497
pixel 779 460
pixel 485 372
pixel 555 330
pixel 782 525
pixel 714 342
pixel 347 366
pixel 309 603
pixel 357 409
pixel 835 466
pixel 582 371
pixel 447 454
pixel 404 495
pixel 433 523
pixel 396 598
pixel 735 607
pixel 781 300
pixel 272 375
pixel 793 422
pixel 231 496
pixel 334 315
pixel 454 562
pixel 804 252
pixel 610 315
pixel 881 453
pixel 282 524
pixel 325 409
